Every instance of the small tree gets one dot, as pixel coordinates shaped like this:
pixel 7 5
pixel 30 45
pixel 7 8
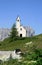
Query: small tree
pixel 13 33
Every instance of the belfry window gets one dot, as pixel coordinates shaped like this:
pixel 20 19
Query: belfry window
pixel 18 20
pixel 20 28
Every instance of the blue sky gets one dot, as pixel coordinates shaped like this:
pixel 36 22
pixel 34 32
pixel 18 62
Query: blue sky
pixel 30 12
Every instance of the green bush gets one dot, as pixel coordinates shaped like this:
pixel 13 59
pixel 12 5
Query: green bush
pixel 39 61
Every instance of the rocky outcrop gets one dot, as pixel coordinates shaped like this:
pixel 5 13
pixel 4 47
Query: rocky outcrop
pixel 4 33
pixel 5 55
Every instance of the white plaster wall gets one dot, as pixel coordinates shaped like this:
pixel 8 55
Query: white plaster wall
pixel 23 31
pixel 17 24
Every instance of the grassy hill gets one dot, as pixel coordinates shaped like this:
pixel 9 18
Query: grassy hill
pixel 8 44
pixel 31 46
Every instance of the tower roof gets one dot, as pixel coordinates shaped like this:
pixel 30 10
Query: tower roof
pixel 18 18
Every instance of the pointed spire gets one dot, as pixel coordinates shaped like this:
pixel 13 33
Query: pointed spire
pixel 18 18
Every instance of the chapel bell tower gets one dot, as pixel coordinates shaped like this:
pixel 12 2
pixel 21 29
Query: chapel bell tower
pixel 18 22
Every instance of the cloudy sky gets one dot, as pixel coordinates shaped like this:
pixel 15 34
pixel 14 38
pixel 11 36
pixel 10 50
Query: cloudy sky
pixel 30 12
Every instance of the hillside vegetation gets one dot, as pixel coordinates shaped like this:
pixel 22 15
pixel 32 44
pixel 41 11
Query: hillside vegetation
pixel 31 46
pixel 9 44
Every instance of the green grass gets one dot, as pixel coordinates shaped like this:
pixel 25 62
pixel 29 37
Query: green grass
pixel 33 51
pixel 7 44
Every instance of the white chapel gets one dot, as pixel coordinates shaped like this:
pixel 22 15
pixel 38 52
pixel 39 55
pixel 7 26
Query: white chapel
pixel 22 30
